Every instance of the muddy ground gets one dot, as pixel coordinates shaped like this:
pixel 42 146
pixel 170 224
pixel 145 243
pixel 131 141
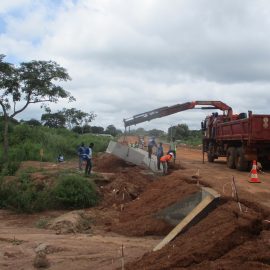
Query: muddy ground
pixel 124 222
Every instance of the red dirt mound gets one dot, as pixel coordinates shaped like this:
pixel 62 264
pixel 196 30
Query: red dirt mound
pixel 223 236
pixel 124 182
pixel 137 218
pixel 108 163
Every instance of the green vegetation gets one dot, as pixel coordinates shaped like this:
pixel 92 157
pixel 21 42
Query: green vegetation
pixel 72 191
pixel 27 141
pixel 42 223
pixel 28 83
pixel 194 138
pixel 67 191
pixel 181 133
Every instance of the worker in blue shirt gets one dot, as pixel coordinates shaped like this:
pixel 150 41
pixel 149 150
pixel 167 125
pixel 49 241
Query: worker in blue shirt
pixel 160 153
pixel 88 158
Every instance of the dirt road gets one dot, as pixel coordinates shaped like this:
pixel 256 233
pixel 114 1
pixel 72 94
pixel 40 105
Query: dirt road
pixel 98 250
pixel 218 176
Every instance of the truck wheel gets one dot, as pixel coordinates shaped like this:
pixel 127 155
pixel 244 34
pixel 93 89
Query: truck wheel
pixel 231 153
pixel 241 163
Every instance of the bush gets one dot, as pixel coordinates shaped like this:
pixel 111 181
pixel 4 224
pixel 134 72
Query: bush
pixel 9 168
pixel 23 195
pixel 12 167
pixel 74 192
pixel 70 192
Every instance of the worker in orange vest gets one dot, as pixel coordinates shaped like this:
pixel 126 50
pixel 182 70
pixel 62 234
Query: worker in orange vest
pixel 164 160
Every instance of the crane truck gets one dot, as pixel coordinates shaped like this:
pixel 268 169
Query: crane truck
pixel 241 138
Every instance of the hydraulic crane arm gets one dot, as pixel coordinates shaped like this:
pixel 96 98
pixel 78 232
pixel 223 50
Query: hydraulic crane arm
pixel 165 111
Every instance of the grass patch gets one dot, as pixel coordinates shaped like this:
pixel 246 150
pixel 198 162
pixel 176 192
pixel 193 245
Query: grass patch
pixel 42 223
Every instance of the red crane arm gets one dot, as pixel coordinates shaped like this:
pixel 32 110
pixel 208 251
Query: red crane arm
pixel 168 110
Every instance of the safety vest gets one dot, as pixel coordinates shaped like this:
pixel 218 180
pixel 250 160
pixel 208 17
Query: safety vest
pixel 166 158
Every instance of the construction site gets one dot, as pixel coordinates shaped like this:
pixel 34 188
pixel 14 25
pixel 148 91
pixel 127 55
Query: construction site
pixel 204 213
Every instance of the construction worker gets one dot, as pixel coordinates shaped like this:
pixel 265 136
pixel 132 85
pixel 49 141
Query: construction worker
pixel 173 147
pixel 165 161
pixel 88 158
pixel 159 154
pixel 151 144
pixel 60 158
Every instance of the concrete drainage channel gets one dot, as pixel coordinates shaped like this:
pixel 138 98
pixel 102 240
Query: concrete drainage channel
pixel 188 212
pixel 182 214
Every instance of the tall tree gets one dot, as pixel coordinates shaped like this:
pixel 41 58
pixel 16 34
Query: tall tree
pixel 156 132
pixel 53 120
pixel 111 129
pixel 180 132
pixel 31 122
pixel 29 83
pixel 76 117
pixel 97 130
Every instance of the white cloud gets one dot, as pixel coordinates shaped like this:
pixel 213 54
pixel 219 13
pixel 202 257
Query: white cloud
pixel 126 57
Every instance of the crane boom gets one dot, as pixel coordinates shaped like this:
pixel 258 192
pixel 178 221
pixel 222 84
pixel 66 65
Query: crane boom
pixel 168 110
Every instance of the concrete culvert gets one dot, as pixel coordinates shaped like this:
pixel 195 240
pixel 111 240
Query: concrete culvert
pixel 187 212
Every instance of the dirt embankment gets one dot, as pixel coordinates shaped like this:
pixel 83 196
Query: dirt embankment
pixel 225 239
pixel 138 217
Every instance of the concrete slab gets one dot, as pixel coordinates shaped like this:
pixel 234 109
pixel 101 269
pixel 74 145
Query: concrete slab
pixel 179 210
pixel 134 155
pixel 127 153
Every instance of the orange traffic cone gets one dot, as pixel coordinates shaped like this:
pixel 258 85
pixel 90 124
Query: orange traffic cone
pixel 253 174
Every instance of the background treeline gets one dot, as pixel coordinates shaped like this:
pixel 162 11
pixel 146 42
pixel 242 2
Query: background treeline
pixel 27 138
pixel 180 132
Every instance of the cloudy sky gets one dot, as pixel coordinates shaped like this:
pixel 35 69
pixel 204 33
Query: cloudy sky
pixel 126 57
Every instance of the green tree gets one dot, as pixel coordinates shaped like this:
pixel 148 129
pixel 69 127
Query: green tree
pixel 156 132
pixel 97 130
pixel 81 130
pixel 28 83
pixel 140 131
pixel 111 129
pixel 53 120
pixel 179 132
pixel 77 118
pixel 31 122
pixel 119 131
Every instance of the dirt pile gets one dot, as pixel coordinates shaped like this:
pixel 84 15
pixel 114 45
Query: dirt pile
pixel 71 222
pixel 138 217
pixel 109 163
pixel 124 182
pixel 223 240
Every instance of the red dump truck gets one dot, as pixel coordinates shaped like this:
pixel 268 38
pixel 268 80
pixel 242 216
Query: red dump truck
pixel 240 138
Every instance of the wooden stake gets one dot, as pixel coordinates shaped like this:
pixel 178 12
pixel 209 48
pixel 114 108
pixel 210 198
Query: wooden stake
pixel 122 258
pixel 236 195
pixel 203 152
